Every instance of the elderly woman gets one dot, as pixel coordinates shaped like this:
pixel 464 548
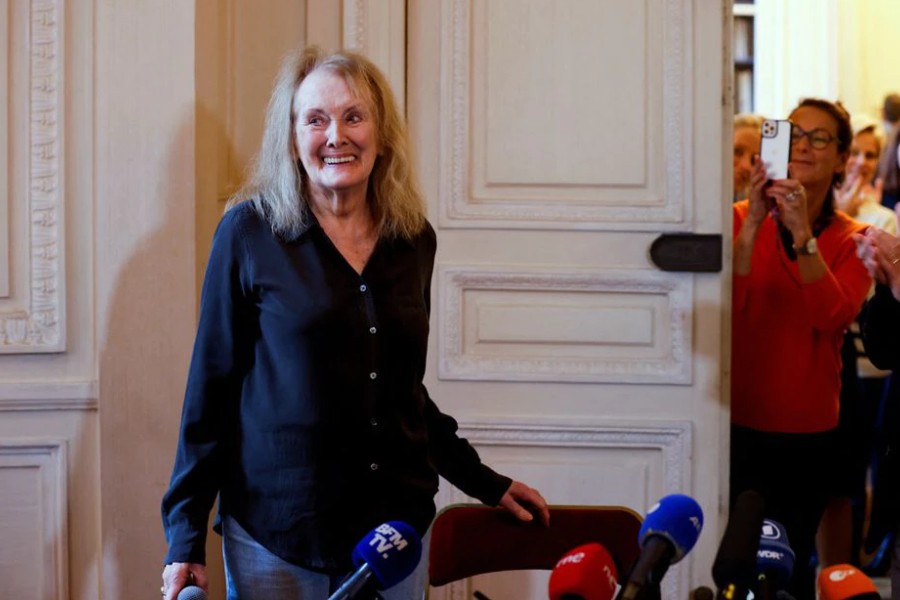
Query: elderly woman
pixel 305 409
pixel 798 284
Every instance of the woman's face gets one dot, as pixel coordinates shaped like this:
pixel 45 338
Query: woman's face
pixel 810 165
pixel 746 145
pixel 334 134
pixel 863 156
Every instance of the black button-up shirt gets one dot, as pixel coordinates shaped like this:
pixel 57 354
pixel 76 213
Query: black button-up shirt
pixel 305 408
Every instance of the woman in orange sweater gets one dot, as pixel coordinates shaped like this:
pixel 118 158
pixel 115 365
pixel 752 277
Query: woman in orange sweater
pixel 798 284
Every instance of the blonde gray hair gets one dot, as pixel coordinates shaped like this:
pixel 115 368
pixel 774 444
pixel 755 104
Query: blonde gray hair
pixel 748 120
pixel 277 182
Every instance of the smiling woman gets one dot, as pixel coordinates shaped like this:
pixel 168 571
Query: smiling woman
pixel 305 409
pixel 335 138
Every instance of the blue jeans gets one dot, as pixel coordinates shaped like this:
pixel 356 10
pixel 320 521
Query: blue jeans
pixel 252 572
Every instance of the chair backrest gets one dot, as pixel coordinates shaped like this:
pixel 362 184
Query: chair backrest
pixel 471 539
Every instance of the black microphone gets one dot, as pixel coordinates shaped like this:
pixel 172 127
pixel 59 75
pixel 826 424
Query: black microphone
pixel 192 592
pixel 668 533
pixel 734 569
pixel 703 593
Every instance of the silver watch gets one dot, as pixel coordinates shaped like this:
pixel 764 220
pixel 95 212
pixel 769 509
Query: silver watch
pixel 811 247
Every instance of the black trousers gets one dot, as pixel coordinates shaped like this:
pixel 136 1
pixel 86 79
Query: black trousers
pixel 791 471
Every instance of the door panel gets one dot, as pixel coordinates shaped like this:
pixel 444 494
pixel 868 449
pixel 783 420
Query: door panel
pixel 555 141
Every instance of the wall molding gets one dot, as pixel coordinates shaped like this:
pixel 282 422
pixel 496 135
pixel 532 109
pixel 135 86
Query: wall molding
pixel 454 363
pixel 672 438
pixel 566 208
pixel 377 29
pixel 41 396
pixel 41 326
pixel 49 456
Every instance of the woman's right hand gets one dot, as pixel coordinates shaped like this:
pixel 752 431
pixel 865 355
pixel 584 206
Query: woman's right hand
pixel 177 576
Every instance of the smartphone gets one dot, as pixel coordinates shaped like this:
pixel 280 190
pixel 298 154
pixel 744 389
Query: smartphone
pixel 775 147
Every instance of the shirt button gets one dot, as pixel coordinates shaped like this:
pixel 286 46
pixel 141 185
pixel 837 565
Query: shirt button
pixel 372 330
pixel 363 288
pixel 374 422
pixel 374 466
pixel 373 375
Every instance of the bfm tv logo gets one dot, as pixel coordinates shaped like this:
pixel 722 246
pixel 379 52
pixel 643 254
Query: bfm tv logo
pixel 387 538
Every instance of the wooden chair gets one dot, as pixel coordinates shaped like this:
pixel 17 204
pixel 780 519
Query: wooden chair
pixel 471 539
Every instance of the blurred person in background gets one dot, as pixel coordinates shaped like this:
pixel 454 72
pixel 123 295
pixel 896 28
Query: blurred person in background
pixel 889 172
pixel 747 135
pixel 880 252
pixel 890 113
pixel 862 384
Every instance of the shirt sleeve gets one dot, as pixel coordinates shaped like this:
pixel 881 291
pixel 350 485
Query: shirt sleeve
pixel 211 396
pixel 457 461
pixel 454 457
pixel 880 325
pixel 835 299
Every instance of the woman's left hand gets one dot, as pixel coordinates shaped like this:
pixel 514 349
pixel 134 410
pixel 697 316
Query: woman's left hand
pixel 523 502
pixel 790 196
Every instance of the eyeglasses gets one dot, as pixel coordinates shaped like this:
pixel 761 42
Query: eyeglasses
pixel 818 138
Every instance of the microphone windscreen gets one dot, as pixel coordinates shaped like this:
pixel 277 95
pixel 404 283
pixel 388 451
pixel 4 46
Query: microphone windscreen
pixel 735 562
pixel 392 552
pixel 845 582
pixel 587 572
pixel 775 558
pixel 192 592
pixel 676 517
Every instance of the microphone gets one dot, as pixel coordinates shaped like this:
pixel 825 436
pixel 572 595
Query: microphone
pixel 192 592
pixel 774 560
pixel 735 565
pixel 668 533
pixel 845 582
pixel 387 555
pixel 587 572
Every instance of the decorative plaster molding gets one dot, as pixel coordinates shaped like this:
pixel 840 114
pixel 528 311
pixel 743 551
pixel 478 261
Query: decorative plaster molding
pixel 40 396
pixel 356 18
pixel 674 367
pixel 50 458
pixel 41 326
pixel 672 438
pixel 459 208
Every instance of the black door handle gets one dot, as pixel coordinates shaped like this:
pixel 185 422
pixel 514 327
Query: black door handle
pixel 692 252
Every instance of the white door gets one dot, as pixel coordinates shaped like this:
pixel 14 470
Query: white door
pixel 556 140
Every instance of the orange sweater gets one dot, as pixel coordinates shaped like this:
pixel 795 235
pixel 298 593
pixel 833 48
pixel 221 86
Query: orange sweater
pixel 787 335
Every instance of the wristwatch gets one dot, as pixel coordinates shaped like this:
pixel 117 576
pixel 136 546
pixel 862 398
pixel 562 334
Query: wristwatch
pixel 809 248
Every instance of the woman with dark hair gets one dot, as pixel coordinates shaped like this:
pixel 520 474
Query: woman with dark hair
pixel 305 410
pixel 889 171
pixel 798 285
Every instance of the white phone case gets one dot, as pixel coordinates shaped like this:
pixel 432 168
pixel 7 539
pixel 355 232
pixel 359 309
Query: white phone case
pixel 775 147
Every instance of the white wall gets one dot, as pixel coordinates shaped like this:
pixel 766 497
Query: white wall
pixel 835 49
